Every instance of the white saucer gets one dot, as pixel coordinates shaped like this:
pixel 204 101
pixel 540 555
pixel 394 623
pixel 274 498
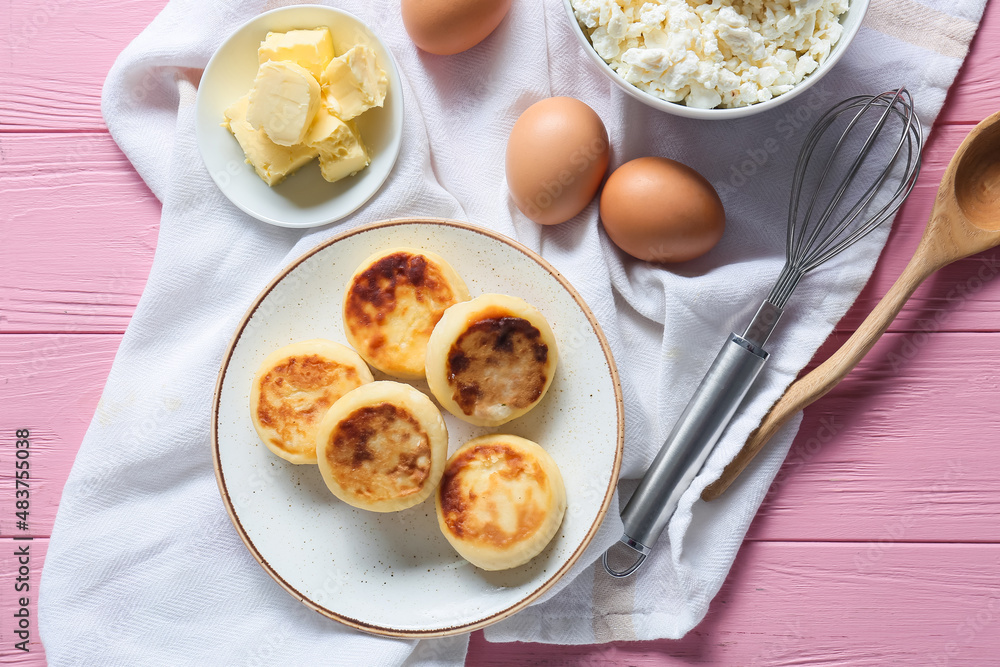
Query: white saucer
pixel 303 199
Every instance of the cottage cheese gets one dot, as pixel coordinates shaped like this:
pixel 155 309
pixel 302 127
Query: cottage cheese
pixel 723 53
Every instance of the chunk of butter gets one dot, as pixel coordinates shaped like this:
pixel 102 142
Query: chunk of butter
pixel 353 83
pixel 283 102
pixel 311 49
pixel 271 161
pixel 341 151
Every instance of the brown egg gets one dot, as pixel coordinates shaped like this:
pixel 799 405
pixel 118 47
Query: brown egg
pixel 557 155
pixel 445 27
pixel 660 210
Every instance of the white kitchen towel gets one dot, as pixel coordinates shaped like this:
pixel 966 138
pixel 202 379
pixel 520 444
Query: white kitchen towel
pixel 144 566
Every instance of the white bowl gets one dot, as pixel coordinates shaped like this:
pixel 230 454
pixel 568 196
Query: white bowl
pixel 851 22
pixel 304 199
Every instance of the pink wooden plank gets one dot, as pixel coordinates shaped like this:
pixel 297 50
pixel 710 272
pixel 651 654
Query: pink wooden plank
pixel 904 448
pixel 879 455
pixel 35 69
pixel 843 604
pixel 77 233
pixel 58 53
pixel 49 385
pixel 974 95
pixel 12 558
pixel 784 603
pixel 91 279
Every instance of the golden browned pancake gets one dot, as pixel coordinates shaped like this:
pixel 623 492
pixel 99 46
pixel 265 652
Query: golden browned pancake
pixel 490 360
pixel 501 501
pixel 392 303
pixel 382 447
pixel 294 387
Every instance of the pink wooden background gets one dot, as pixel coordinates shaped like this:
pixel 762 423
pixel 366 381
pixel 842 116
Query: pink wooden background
pixel 879 546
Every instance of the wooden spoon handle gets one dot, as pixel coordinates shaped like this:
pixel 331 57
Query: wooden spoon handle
pixel 825 377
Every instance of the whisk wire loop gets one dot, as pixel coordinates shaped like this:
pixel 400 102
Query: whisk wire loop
pixel 818 229
pixel 846 181
pixel 910 169
pixel 810 143
pixel 812 140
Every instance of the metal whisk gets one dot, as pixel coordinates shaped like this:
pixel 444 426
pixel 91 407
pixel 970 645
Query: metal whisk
pixel 821 225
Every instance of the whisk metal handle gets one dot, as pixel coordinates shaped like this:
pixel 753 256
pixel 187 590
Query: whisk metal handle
pixel 694 435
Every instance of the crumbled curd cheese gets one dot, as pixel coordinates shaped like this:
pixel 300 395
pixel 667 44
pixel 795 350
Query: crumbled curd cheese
pixel 723 53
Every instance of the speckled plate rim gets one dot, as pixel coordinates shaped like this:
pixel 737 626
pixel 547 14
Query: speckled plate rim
pixel 547 584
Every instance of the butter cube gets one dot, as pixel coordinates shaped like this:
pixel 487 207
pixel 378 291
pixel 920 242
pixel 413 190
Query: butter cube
pixel 311 49
pixel 283 102
pixel 341 151
pixel 271 161
pixel 353 83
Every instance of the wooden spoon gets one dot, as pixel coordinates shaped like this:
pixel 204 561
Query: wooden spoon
pixel 965 220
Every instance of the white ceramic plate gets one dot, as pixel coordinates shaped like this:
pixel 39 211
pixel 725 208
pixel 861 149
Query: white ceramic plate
pixel 394 573
pixel 304 199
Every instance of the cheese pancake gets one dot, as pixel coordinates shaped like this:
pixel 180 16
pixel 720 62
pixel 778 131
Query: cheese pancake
pixel 294 387
pixel 382 447
pixel 392 303
pixel 490 360
pixel 501 501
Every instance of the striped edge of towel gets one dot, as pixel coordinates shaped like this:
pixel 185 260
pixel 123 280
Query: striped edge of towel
pixel 917 24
